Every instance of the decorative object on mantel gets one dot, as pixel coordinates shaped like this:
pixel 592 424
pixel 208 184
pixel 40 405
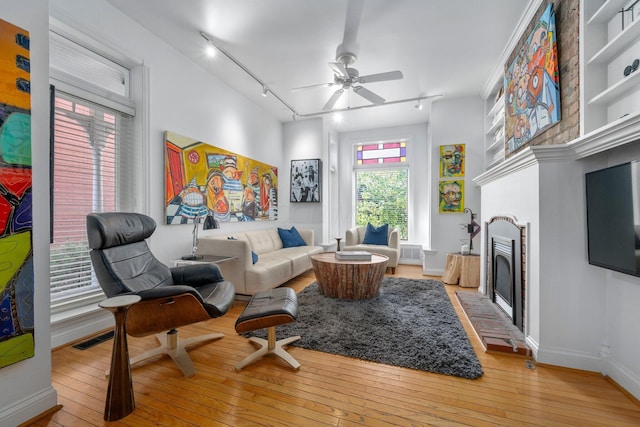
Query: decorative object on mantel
pixel 532 85
pixel 451 196
pixel 17 283
pixel 305 181
pixel 473 228
pixel 202 179
pixel 452 160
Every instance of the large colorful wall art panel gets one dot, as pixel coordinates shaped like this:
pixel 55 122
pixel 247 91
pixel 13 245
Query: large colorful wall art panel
pixel 202 179
pixel 16 253
pixel 532 85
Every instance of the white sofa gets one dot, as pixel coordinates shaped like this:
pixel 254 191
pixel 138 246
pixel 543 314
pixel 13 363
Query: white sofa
pixel 355 236
pixel 275 265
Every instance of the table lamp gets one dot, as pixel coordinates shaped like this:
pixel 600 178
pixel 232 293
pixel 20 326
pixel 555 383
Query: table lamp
pixel 210 223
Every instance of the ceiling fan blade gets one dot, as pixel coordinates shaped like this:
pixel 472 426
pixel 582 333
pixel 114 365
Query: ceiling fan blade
pixel 339 69
pixel 332 101
pixel 351 25
pixel 381 77
pixel 312 86
pixel 368 95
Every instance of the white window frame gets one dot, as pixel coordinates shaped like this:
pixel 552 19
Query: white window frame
pixel 136 104
pixel 405 165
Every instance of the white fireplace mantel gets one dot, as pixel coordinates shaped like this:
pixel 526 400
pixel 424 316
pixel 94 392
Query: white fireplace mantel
pixel 613 135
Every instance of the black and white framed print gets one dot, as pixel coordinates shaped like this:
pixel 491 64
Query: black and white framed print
pixel 305 181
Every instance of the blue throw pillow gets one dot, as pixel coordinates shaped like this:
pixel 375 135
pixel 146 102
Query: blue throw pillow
pixel 376 235
pixel 290 238
pixel 254 257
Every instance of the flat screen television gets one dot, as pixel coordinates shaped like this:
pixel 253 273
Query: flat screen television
pixel 613 217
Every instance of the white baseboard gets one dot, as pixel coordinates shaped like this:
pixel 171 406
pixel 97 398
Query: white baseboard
pixel 591 362
pixel 29 407
pixel 570 359
pixel 65 330
pixel 432 271
pixel 624 377
pixel 409 261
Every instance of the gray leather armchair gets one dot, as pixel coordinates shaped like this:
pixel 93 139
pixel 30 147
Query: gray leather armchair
pixel 171 297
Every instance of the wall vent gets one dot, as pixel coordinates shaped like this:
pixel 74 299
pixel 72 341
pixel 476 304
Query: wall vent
pixel 411 254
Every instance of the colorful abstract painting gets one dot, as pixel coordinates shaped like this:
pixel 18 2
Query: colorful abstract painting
pixel 452 160
pixel 16 253
pixel 532 85
pixel 202 179
pixel 451 196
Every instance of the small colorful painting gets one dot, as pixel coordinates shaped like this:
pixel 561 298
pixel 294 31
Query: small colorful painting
pixel 452 160
pixel 16 221
pixel 202 179
pixel 451 196
pixel 532 85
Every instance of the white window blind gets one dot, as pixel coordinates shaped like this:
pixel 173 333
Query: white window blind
pixel 94 157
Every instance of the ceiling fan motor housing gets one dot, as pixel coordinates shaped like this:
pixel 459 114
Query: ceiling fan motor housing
pixel 346 58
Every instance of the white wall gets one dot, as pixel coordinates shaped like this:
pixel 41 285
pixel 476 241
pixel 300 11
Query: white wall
pixel 577 315
pixel 454 121
pixel 186 99
pixel 304 139
pixel 620 301
pixel 180 97
pixel 26 385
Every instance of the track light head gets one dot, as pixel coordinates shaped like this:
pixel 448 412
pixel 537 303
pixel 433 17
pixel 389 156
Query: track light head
pixel 264 91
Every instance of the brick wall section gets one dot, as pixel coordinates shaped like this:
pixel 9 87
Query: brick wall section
pixel 567 29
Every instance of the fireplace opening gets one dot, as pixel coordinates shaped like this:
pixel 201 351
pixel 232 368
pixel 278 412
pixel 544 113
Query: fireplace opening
pixel 505 286
pixel 504 283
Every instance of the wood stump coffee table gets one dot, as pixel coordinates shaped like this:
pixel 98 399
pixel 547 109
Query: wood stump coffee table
pixel 349 279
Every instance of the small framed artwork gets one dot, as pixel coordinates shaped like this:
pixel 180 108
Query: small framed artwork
pixel 451 196
pixel 305 181
pixel 452 160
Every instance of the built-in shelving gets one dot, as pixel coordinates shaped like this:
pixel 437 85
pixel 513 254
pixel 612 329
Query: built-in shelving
pixel 496 144
pixel 617 44
pixel 494 125
pixel 617 90
pixel 609 46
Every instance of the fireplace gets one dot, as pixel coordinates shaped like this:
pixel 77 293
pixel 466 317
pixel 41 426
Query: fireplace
pixel 505 267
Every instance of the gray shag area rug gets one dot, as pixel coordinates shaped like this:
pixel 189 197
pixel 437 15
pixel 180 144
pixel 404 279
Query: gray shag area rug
pixel 410 324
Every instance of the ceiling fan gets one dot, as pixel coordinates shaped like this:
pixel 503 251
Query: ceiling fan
pixel 346 55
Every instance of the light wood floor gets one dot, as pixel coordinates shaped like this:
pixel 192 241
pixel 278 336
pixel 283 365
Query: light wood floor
pixel 331 390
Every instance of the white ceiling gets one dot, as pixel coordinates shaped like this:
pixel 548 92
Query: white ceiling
pixel 448 47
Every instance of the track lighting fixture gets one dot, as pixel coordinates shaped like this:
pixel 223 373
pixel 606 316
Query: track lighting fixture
pixel 213 47
pixel 210 50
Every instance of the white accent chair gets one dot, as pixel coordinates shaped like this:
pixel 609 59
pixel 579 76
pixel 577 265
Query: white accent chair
pixel 355 237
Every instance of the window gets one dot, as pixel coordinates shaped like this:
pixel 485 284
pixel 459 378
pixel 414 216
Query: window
pixel 94 156
pixel 382 185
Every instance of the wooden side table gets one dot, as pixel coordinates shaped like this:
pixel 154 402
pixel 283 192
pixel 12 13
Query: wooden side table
pixel 120 400
pixel 462 270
